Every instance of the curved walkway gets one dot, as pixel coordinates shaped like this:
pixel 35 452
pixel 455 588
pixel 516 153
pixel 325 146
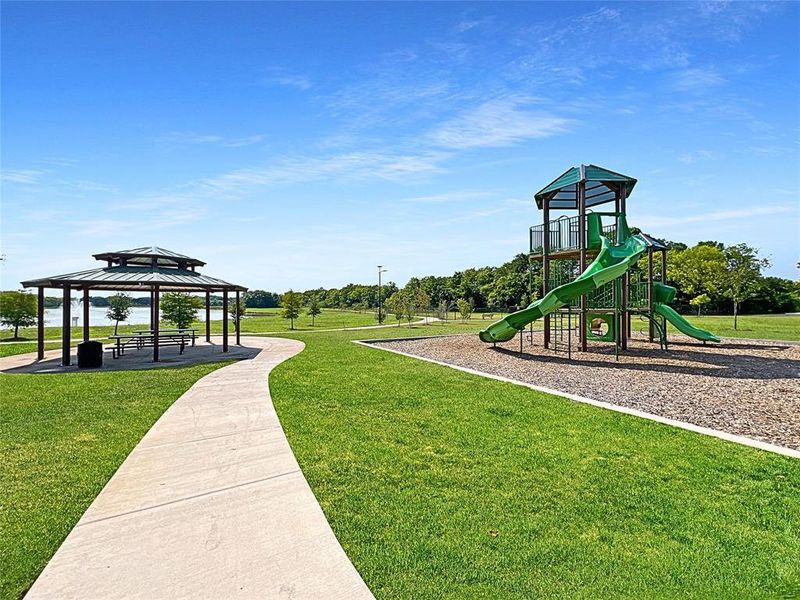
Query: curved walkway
pixel 210 504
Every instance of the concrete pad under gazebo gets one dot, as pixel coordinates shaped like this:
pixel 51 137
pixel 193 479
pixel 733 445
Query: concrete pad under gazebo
pixel 148 269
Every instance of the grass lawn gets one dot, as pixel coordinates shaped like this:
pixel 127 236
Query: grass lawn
pixel 61 438
pixel 765 327
pixel 264 320
pixel 441 484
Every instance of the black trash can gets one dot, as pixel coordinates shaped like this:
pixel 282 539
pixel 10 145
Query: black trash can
pixel 90 355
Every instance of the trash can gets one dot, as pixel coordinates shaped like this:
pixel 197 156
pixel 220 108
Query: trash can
pixel 90 355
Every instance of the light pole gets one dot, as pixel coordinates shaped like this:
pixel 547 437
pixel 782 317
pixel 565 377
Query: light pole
pixel 381 270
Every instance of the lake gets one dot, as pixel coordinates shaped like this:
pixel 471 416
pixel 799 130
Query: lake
pixel 139 315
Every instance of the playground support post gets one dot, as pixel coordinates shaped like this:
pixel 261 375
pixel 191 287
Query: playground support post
pixel 651 327
pixel 664 281
pixel 582 240
pixel 546 268
pixel 626 322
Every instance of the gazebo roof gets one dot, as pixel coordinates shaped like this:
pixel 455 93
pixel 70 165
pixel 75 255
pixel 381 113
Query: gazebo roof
pixel 150 255
pixel 602 186
pixel 140 269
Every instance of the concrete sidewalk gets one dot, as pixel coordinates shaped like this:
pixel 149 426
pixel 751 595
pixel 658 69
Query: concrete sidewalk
pixel 210 504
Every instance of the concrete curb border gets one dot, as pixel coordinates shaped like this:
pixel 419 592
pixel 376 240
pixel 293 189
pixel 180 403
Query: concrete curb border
pixel 729 437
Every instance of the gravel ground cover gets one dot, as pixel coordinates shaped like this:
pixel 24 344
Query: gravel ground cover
pixel 745 387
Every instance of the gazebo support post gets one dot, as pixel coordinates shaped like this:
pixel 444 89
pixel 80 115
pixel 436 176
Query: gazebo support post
pixel 40 326
pixel 65 326
pixel 85 314
pixel 238 321
pixel 225 320
pixel 208 316
pixel 156 298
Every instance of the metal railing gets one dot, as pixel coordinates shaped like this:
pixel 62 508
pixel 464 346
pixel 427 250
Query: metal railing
pixel 564 235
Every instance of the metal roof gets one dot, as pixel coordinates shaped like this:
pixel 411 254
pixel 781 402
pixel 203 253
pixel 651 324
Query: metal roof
pixel 602 185
pixel 150 255
pixel 136 278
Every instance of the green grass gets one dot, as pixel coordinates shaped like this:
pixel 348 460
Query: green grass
pixel 62 436
pixel 765 327
pixel 12 349
pixel 441 484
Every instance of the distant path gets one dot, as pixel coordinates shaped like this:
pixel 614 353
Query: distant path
pixel 210 504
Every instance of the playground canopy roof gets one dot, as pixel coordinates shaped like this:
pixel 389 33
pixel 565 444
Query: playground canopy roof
pixel 602 186
pixel 653 243
pixel 140 269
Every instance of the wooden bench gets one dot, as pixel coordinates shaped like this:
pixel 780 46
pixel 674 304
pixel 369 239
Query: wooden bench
pixel 146 338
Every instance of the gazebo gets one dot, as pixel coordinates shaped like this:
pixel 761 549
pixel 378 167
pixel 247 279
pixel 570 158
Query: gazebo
pixel 149 269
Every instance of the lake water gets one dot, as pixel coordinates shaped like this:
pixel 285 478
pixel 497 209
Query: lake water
pixel 139 315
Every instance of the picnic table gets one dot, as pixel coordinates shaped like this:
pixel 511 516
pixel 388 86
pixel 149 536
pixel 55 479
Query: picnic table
pixel 146 338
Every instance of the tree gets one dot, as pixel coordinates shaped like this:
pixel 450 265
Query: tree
pixel 237 310
pixel 180 308
pixel 119 308
pixel 291 302
pixel 464 309
pixel 18 309
pixel 262 299
pixel 313 308
pixel 395 305
pixel 743 275
pixel 698 270
pixel 700 301
pixel 415 301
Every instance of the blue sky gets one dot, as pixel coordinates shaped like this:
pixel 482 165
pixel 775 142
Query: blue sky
pixel 303 144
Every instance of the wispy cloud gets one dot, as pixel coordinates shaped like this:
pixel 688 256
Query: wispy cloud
pixel 144 225
pixel 191 137
pixel 354 166
pixel 23 176
pixel 457 196
pixel 648 221
pixel 696 156
pixel 695 80
pixel 285 78
pixel 499 122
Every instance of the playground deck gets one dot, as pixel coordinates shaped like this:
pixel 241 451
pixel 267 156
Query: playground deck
pixel 743 387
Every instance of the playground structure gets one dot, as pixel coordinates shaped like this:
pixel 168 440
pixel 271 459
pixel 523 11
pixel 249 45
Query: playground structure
pixel 604 296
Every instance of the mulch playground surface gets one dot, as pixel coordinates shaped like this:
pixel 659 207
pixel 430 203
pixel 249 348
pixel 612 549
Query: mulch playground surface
pixel 745 387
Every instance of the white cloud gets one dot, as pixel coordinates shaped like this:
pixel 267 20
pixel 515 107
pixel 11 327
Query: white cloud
pixel 498 122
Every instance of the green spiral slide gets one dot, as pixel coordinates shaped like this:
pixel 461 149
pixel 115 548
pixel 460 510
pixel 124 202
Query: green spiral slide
pixel 611 262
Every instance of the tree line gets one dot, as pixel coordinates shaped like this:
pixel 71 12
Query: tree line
pixel 709 276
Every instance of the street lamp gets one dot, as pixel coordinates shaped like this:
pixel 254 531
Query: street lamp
pixel 381 270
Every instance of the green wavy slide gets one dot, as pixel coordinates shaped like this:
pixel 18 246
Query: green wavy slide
pixel 682 324
pixel 611 262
